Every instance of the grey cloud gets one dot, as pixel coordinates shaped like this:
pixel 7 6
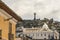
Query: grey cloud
pixel 43 8
pixel 55 11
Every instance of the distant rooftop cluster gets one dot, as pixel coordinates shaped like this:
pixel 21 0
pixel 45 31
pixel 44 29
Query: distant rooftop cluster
pixel 39 23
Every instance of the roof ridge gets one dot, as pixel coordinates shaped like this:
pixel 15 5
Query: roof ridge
pixel 9 11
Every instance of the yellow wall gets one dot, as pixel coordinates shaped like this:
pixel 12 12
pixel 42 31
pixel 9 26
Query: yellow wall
pixel 13 30
pixel 4 26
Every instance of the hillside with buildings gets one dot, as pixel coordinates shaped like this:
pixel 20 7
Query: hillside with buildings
pixel 39 23
pixel 36 24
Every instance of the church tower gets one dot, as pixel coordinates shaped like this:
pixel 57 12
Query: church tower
pixel 34 16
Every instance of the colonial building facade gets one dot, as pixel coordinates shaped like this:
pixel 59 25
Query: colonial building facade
pixel 43 33
pixel 38 29
pixel 8 20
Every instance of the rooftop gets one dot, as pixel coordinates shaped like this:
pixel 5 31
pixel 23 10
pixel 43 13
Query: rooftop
pixel 9 11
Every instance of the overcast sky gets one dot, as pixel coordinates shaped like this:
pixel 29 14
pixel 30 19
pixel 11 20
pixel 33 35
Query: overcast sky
pixel 43 8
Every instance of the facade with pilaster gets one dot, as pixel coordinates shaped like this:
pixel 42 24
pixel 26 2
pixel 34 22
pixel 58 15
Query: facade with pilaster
pixel 8 20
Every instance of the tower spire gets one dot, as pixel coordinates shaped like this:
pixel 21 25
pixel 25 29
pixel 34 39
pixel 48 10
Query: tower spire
pixel 34 16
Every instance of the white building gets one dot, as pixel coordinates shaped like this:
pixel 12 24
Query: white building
pixel 41 33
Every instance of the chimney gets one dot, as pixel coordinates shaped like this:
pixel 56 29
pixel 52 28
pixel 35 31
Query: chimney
pixel 34 16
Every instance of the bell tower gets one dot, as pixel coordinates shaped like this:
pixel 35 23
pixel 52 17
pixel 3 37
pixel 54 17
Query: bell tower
pixel 34 16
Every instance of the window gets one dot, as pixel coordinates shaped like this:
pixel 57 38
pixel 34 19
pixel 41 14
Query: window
pixel 44 38
pixel 56 37
pixel 45 34
pixel 41 34
pixel 11 36
pixel 10 27
pixel 49 36
pixel 33 34
pixel 37 34
pixel 0 34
